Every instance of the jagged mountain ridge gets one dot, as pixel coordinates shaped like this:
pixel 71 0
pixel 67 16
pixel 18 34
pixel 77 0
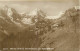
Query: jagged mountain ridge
pixel 11 13
pixel 9 24
pixel 66 37
pixel 60 31
pixel 33 16
pixel 37 12
pixel 10 18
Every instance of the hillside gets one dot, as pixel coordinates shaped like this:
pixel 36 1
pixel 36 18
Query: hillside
pixel 66 37
pixel 34 30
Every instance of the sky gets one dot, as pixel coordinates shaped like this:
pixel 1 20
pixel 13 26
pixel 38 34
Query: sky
pixel 52 8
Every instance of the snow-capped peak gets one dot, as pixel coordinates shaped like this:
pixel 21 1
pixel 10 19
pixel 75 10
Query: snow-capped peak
pixel 34 12
pixel 77 7
pixel 7 10
pixel 37 12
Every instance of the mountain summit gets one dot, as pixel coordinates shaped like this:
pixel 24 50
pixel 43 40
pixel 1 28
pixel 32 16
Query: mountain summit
pixel 37 12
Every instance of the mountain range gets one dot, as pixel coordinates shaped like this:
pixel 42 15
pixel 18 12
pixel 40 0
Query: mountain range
pixel 48 31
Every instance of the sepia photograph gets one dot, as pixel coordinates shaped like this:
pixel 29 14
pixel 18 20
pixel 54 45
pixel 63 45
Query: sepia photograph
pixel 39 25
